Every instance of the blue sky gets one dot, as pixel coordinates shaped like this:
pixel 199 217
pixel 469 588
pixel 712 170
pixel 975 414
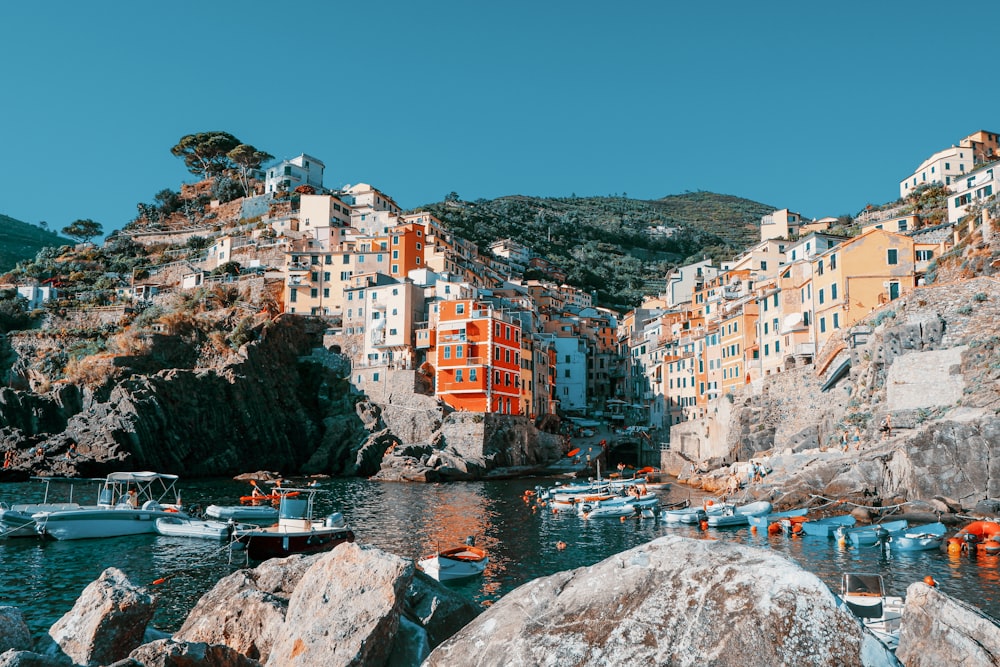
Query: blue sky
pixel 817 107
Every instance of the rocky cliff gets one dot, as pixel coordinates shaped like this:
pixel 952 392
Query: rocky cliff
pixel 280 403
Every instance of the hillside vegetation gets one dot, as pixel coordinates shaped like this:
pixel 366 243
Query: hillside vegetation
pixel 619 247
pixel 20 241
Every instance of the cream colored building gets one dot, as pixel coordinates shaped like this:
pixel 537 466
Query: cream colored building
pixel 781 224
pixel 943 167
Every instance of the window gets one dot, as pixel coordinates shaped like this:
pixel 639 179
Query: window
pixel 459 351
pixel 925 255
pixel 892 256
pixel 472 375
pixel 821 299
pixel 458 375
pixel 836 320
pixel 833 292
pixel 822 325
pixel 394 269
pixel 447 352
pixel 395 254
pixel 833 261
pixel 460 309
pixel 820 271
pixel 314 292
pixel 763 265
pixel 566 373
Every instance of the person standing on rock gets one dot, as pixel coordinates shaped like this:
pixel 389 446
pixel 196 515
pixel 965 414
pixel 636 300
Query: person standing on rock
pixel 856 438
pixel 886 427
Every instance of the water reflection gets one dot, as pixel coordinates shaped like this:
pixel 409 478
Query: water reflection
pixel 413 520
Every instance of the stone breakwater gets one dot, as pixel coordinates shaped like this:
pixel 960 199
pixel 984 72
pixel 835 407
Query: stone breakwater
pixel 672 601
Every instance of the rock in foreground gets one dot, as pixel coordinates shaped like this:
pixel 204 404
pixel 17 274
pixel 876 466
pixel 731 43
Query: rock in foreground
pixel 675 601
pixel 938 629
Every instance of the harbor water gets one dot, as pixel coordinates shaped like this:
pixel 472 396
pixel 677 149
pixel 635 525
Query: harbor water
pixel 44 577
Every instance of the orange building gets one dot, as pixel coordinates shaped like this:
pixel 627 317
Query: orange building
pixel 406 249
pixel 478 358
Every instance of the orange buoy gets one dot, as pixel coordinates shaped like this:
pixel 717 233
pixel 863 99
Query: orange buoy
pixel 955 545
pixel 622 519
pixel 560 545
pixel 753 529
pixel 703 525
pixel 990 546
pixel 774 528
pixel 929 580
pixel 157 582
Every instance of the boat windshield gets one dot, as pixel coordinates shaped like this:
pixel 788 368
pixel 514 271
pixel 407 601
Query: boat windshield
pixel 863 585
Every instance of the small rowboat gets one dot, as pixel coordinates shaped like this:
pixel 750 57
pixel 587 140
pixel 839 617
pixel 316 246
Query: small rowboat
pixel 919 538
pixel 826 527
pixel 457 563
pixel 573 452
pixel 873 535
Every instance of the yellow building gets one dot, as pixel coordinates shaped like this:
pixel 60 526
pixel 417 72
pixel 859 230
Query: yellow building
pixel 858 276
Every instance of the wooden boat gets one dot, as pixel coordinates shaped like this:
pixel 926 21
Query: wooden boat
pixel 764 520
pixel 978 536
pixel 826 527
pixel 296 531
pixel 176 526
pixel 128 504
pixel 873 535
pixel 880 614
pixel 457 563
pixel 738 515
pixel 919 538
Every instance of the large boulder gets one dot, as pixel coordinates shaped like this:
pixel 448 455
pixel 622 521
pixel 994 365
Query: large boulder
pixel 440 610
pixel 106 623
pixel 245 610
pixel 939 630
pixel 345 610
pixel 14 632
pixel 676 601
pixel 170 653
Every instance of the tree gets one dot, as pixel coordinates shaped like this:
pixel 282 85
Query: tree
pixel 247 158
pixel 83 230
pixel 206 153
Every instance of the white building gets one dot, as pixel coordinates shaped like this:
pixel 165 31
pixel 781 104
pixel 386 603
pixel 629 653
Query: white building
pixel 974 188
pixel 290 174
pixel 681 282
pixel 942 167
pixel 36 294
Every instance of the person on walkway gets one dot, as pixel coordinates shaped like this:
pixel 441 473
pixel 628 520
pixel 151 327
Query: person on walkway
pixel 758 473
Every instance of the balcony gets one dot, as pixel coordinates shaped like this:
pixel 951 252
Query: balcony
pixel 453 336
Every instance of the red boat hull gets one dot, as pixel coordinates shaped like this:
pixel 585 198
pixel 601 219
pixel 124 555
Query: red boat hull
pixel 264 545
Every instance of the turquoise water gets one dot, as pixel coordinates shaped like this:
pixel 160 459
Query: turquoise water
pixel 44 578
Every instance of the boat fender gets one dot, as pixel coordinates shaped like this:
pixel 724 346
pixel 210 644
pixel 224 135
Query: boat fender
pixel 929 580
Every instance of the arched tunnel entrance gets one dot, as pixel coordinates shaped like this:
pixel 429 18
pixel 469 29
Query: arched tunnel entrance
pixel 624 451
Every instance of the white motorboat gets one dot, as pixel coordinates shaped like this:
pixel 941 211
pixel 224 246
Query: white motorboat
pixel 260 513
pixel 180 526
pixel 457 563
pixel 619 506
pixel 880 614
pixel 738 515
pixel 296 532
pixel 17 520
pixel 128 504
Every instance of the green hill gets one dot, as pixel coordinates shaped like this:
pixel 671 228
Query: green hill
pixel 20 241
pixel 619 247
